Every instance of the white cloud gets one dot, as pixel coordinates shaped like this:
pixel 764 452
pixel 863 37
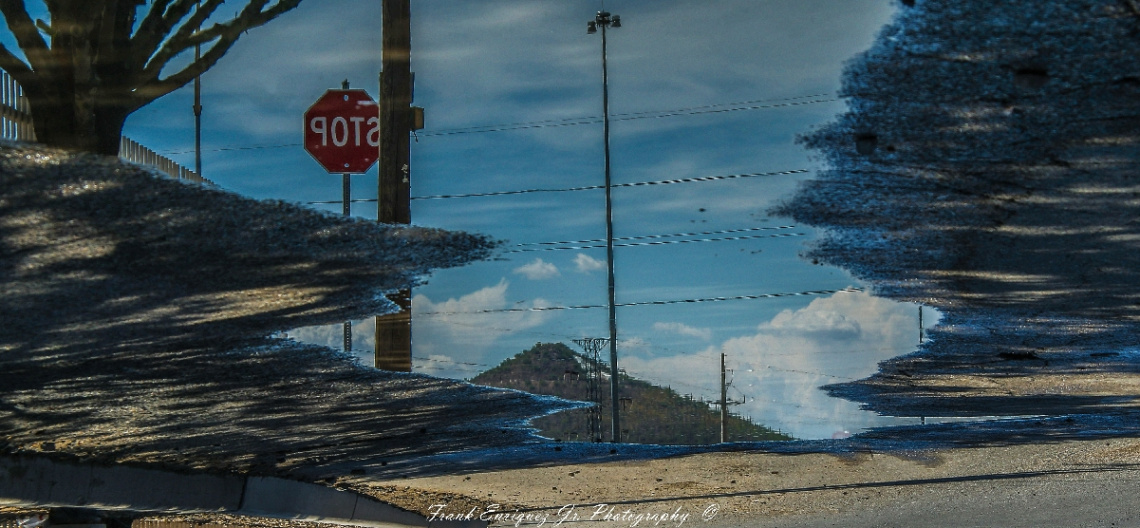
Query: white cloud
pixel 587 264
pixel 538 270
pixel 781 366
pixel 442 366
pixel 683 329
pixel 332 336
pixel 634 343
pixel 472 322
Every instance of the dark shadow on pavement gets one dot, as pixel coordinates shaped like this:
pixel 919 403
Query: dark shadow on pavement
pixel 987 167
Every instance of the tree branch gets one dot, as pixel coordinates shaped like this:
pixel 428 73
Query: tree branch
pixel 153 58
pixel 115 24
pixel 191 34
pixel 151 24
pixel 17 68
pixel 157 25
pixel 27 36
pixel 223 36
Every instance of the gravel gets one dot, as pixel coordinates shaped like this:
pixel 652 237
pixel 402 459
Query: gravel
pixel 986 167
pixel 136 311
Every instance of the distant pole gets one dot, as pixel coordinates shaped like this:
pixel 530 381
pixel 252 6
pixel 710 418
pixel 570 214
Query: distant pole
pixel 591 347
pixel 604 20
pixel 198 109
pixel 921 333
pixel 723 402
pixel 393 204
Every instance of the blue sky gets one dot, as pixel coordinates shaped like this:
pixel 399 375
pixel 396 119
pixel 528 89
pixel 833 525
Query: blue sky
pixel 697 89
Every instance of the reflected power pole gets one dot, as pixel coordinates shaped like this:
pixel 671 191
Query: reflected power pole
pixel 724 401
pixel 591 347
pixel 394 331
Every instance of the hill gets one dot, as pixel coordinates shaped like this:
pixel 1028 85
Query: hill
pixel 650 414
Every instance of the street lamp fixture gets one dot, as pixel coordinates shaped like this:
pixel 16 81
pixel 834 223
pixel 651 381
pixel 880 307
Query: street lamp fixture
pixel 604 20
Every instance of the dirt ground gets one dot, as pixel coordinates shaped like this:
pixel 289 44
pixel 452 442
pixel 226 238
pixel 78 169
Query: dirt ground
pixel 736 487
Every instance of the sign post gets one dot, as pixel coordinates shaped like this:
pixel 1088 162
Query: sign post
pixel 342 133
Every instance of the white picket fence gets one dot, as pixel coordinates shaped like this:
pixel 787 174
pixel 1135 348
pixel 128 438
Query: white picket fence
pixel 16 125
pixel 130 150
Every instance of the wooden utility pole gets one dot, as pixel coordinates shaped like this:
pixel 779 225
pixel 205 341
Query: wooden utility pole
pixel 394 331
pixel 921 332
pixel 723 403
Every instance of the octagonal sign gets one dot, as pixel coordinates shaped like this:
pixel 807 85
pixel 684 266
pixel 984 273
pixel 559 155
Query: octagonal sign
pixel 342 131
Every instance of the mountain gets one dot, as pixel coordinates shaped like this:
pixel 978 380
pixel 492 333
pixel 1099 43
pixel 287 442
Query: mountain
pixel 650 414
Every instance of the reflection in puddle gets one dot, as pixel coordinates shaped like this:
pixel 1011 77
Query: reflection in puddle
pixel 778 369
pixel 775 371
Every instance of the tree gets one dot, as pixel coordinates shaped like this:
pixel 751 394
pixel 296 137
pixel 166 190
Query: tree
pixel 96 61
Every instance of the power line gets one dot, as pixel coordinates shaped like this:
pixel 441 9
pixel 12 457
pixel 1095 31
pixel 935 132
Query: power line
pixel 810 373
pixel 660 242
pixel 697 179
pixel 616 185
pixel 595 120
pixel 647 303
pixel 629 114
pixel 669 383
pixel 646 237
pixel 437 360
pixel 437 368
pixel 235 148
pixel 572 121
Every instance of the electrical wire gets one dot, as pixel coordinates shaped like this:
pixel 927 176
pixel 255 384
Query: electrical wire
pixel 628 114
pixel 436 368
pixel 810 373
pixel 614 117
pixel 437 360
pixel 697 179
pixel 613 186
pixel 644 303
pixel 572 121
pixel 648 237
pixel 567 121
pixel 670 383
pixel 659 242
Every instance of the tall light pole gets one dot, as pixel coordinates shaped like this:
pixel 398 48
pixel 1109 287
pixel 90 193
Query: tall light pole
pixel 604 20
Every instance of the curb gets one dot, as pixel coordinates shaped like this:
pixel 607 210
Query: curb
pixel 41 482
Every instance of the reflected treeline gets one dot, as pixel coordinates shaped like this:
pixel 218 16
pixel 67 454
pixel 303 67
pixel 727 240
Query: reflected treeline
pixel 650 414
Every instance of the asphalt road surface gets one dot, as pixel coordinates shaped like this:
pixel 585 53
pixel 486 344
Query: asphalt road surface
pixel 1099 498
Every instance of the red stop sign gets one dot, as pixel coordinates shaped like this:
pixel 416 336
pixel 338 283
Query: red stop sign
pixel 342 131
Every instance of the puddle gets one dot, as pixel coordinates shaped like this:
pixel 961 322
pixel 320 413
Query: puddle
pixel 774 372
